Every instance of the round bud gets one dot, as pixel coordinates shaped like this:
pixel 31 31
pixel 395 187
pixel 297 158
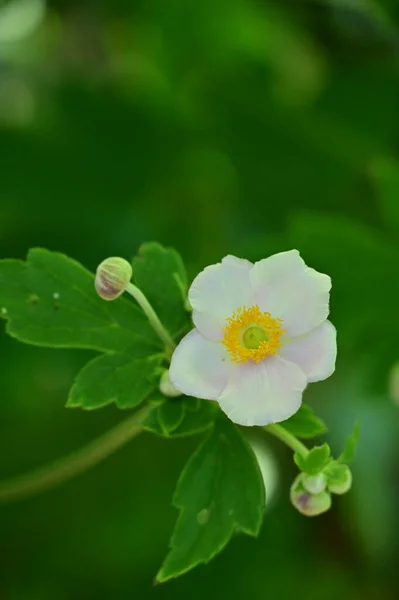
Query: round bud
pixel 166 387
pixel 112 277
pixel 343 483
pixel 314 484
pixel 306 503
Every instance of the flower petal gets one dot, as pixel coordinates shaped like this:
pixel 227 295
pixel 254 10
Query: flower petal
pixel 315 352
pixel 284 286
pixel 217 292
pixel 263 393
pixel 199 367
pixel 208 325
pixel 234 261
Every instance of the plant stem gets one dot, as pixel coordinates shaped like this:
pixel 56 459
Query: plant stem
pixel 288 438
pixel 70 466
pixel 153 318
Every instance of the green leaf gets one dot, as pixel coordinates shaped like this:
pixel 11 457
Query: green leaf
pixel 315 460
pixel 349 451
pixel 171 414
pixel 220 491
pixel 50 300
pixel 305 423
pixel 195 422
pixel 159 272
pixel 118 378
pixel 336 472
pixel 386 180
pixel 178 417
pixel 300 461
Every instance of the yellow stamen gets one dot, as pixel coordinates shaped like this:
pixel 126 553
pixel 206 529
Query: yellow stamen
pixel 252 335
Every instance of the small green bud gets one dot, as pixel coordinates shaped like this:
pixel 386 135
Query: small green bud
pixel 341 481
pixel 306 503
pixel 314 484
pixel 112 277
pixel 166 387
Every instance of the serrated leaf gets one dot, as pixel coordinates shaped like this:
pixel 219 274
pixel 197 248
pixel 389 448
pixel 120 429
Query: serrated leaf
pixel 349 451
pixel 194 416
pixel 305 423
pixel 315 461
pixel 220 491
pixel 159 272
pixel 123 379
pixel 50 300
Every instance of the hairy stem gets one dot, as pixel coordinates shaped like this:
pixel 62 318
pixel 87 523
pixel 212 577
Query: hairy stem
pixel 153 318
pixel 60 471
pixel 288 438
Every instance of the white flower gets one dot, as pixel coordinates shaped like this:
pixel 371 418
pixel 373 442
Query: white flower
pixel 260 336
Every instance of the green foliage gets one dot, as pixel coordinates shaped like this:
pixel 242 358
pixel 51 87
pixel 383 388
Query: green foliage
pixel 315 461
pixel 208 126
pixel 159 273
pixel 349 450
pixel 220 491
pixel 182 416
pixel 305 423
pixel 50 300
pixel 118 378
pixel 339 478
pixel 336 472
pixel 319 470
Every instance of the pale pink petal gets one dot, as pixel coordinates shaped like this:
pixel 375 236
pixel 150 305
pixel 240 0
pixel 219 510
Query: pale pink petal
pixel 261 393
pixel 315 352
pixel 289 290
pixel 208 325
pixel 217 292
pixel 199 367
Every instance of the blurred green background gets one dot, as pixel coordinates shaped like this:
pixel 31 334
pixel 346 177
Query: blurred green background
pixel 215 126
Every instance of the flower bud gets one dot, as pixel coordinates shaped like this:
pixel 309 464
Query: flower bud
pixel 112 277
pixel 343 483
pixel 166 387
pixel 314 484
pixel 306 503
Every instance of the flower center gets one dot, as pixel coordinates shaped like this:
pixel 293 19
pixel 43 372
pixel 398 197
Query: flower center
pixel 252 335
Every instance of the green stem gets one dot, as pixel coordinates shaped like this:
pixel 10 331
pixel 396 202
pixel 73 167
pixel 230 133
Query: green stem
pixel 73 464
pixel 288 438
pixel 153 318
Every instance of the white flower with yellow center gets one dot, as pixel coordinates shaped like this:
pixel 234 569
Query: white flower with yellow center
pixel 261 334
